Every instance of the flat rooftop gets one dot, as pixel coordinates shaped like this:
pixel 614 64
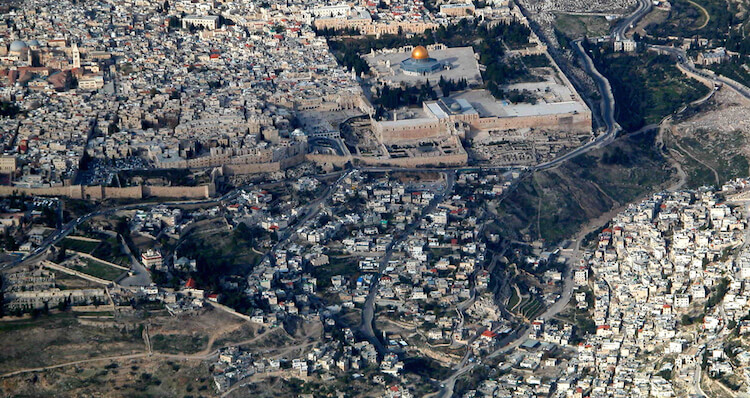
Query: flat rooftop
pixel 460 60
pixel 488 106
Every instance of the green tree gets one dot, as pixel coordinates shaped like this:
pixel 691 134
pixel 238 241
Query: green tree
pixel 10 242
pixel 60 255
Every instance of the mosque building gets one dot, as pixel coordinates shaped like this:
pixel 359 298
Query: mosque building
pixel 420 63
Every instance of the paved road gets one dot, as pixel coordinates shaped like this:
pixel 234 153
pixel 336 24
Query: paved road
pixel 607 108
pixel 620 30
pixel 141 276
pixel 697 377
pixel 684 61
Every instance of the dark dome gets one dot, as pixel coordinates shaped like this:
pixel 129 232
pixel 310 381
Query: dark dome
pixel 18 45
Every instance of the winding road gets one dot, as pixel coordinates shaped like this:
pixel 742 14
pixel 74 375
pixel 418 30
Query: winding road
pixel 368 311
pixel 684 61
pixel 620 30
pixel 607 110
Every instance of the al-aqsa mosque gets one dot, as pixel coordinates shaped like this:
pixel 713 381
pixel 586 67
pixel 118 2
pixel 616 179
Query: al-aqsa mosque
pixel 420 63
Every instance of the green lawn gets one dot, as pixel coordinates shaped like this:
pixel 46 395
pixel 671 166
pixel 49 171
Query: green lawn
pixel 531 307
pixel 111 250
pixel 98 269
pixel 82 246
pixel 513 300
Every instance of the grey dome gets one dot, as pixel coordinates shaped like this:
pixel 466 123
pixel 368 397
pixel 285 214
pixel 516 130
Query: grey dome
pixel 18 45
pixel 34 43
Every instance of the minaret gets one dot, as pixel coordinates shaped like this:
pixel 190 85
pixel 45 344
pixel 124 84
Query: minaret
pixel 76 56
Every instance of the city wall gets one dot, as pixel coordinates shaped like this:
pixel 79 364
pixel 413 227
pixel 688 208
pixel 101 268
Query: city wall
pixel 328 160
pixel 199 192
pixel 569 121
pixel 707 82
pixel 253 168
pixel 268 167
pixel 389 131
pixel 98 192
pixel 460 159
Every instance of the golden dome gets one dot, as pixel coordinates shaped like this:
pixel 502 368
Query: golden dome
pixel 420 52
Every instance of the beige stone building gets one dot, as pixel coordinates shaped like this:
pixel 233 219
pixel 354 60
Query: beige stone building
pixel 8 164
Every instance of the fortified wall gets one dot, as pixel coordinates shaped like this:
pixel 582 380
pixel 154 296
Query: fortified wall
pixel 578 122
pixel 425 128
pixel 99 192
pixel 458 159
pixel 270 167
pixel 410 129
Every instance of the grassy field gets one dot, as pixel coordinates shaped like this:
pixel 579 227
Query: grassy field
pixel 98 269
pixel 530 307
pixel 576 26
pixel 178 344
pixel 707 18
pixel 655 17
pixel 245 332
pixel 111 250
pixel 513 300
pixel 141 377
pixel 66 281
pixel 78 245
